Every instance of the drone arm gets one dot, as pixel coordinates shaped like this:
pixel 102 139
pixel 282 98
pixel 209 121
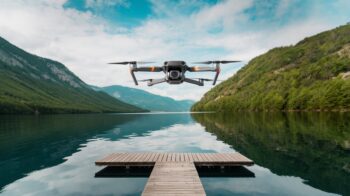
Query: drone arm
pixel 196 82
pixel 148 69
pixel 152 82
pixel 134 68
pixel 216 69
pixel 201 69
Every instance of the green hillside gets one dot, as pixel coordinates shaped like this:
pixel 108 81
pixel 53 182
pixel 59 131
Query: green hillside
pixel 146 100
pixel 311 75
pixel 32 84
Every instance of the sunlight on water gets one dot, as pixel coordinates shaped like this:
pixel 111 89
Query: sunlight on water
pixel 54 155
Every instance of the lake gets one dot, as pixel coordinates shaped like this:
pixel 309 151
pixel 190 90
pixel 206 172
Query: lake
pixel 294 153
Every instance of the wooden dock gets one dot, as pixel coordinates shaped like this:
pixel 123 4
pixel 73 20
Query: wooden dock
pixel 174 173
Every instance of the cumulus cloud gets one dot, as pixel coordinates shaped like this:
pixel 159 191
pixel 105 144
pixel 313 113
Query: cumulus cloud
pixel 192 31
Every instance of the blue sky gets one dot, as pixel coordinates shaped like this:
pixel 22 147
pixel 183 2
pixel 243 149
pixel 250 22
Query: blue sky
pixel 85 34
pixel 126 13
pixel 261 14
pixel 133 12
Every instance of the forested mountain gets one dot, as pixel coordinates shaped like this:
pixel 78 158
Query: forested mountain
pixel 314 74
pixel 32 84
pixel 146 100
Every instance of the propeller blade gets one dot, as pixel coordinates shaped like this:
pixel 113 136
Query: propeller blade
pixel 224 62
pixel 214 62
pixel 144 62
pixel 120 63
pixel 203 62
pixel 131 62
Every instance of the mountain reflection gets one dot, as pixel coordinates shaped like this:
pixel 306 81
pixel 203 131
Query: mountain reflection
pixel 313 146
pixel 29 143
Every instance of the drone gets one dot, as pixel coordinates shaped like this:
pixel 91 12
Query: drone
pixel 175 71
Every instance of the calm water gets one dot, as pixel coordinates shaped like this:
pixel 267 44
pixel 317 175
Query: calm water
pixel 295 154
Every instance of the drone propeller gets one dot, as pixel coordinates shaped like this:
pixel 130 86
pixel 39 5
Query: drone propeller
pixel 212 62
pixel 131 62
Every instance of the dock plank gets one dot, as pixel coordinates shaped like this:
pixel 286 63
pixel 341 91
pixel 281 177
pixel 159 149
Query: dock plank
pixel 174 173
pixel 152 158
pixel 174 178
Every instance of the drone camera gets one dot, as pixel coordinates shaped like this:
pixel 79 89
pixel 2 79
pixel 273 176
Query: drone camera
pixel 174 74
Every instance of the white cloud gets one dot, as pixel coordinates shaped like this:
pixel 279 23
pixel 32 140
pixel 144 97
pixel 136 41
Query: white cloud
pixel 83 42
pixel 101 3
pixel 283 7
pixel 225 13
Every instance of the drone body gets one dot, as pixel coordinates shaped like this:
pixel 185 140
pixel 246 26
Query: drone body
pixel 175 71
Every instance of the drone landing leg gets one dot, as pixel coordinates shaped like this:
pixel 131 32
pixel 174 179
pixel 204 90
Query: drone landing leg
pixel 217 73
pixel 134 77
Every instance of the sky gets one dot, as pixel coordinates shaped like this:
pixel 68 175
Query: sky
pixel 87 34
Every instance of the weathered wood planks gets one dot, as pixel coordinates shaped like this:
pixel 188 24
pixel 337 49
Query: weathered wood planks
pixel 199 159
pixel 174 178
pixel 174 173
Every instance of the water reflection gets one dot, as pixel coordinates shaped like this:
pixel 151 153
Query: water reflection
pixel 122 172
pixel 226 172
pixel 312 146
pixel 55 155
pixel 30 143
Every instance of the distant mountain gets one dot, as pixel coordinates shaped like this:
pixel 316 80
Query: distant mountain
pixel 32 84
pixel 146 100
pixel 311 75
